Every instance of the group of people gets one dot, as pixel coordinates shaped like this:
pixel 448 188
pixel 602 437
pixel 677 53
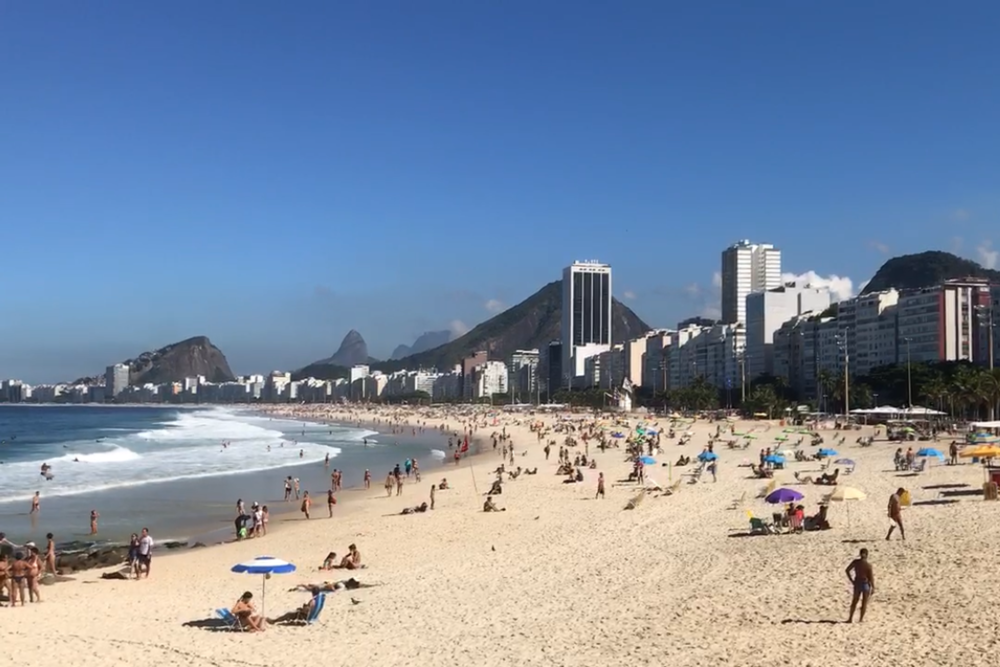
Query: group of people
pixel 22 568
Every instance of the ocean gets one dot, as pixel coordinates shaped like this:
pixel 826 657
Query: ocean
pixel 167 468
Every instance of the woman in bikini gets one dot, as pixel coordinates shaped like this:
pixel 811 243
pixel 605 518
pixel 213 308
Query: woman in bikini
pixel 18 580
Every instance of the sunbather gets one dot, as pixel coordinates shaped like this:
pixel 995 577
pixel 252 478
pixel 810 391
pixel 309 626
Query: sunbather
pixel 245 613
pixel 422 507
pixel 352 561
pixel 489 506
pixel 331 586
pixel 828 480
pixel 299 615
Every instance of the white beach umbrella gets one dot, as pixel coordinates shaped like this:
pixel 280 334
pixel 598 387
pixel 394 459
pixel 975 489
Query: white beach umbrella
pixel 846 494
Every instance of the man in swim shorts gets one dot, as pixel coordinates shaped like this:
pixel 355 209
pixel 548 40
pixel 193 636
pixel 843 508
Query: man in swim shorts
pixel 862 577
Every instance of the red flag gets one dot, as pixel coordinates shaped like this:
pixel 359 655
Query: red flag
pixel 465 445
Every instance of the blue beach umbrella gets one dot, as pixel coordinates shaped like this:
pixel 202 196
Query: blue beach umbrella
pixel 651 431
pixel 824 452
pixel 707 456
pixel 774 458
pixel 929 452
pixel 648 460
pixel 783 495
pixel 617 434
pixel 264 566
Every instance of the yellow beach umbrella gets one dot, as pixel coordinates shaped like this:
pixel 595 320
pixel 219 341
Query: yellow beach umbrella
pixel 982 452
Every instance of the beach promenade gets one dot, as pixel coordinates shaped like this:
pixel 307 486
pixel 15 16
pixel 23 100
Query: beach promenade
pixel 562 578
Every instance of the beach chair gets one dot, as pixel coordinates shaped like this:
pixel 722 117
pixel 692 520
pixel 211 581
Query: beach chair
pixel 316 610
pixel 738 502
pixel 759 527
pixel 634 501
pixel 227 617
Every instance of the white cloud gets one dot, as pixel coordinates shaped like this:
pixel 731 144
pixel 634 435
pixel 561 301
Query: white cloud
pixel 879 247
pixel 458 328
pixel 987 255
pixel 841 287
pixel 694 289
pixel 717 279
pixel 495 306
pixel 960 214
pixel 628 295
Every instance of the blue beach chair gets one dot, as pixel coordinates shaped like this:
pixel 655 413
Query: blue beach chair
pixel 316 610
pixel 229 619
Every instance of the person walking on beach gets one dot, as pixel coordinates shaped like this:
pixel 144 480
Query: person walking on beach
pixel 145 554
pixel 35 503
pixel 862 577
pixel 331 500
pixel 94 516
pixel 600 486
pixel 288 488
pixel 390 481
pixel 368 478
pixel 896 513
pixel 433 491
pixel 306 504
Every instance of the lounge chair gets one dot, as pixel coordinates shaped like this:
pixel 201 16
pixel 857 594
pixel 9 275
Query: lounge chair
pixel 230 620
pixel 759 527
pixel 738 502
pixel 316 610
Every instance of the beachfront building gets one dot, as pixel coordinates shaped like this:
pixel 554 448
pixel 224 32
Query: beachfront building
pixel 488 379
pixel 116 380
pixel 655 360
pixel 586 314
pixel 713 353
pixel 551 367
pixel 765 313
pixel 523 381
pixel 942 323
pixel 747 268
pixel 468 365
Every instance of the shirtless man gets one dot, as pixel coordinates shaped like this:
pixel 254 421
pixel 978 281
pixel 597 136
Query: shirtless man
pixel 896 513
pixel 306 504
pixel 35 503
pixel 862 577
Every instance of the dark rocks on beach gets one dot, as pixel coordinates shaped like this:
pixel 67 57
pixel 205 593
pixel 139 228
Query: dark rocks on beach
pixel 198 545
pixel 174 545
pixel 67 563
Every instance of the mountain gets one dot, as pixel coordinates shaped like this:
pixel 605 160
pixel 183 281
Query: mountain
pixel 533 323
pixel 353 351
pixel 926 269
pixel 174 362
pixel 425 341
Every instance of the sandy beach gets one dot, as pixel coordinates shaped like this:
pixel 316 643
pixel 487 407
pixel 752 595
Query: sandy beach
pixel 563 578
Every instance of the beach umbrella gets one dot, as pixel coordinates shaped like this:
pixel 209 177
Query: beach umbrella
pixel 929 452
pixel 647 460
pixel 617 434
pixel 782 496
pixel 264 566
pixel 846 494
pixel 824 452
pixel 774 458
pixel 982 452
pixel 707 456
pixel 651 431
pixel 845 462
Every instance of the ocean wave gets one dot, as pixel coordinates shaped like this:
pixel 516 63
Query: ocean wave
pixel 439 454
pixel 190 446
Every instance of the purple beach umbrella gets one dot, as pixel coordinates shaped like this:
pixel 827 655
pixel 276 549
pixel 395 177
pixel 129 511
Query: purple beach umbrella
pixel 783 495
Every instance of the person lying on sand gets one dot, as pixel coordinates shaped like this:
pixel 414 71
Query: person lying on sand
pixel 422 507
pixel 496 489
pixel 247 616
pixel 331 586
pixel 531 471
pixel 488 506
pixel 298 615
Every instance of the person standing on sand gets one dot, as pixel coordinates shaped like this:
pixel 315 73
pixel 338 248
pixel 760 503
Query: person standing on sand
pixel 50 555
pixel 94 516
pixel 35 503
pixel 145 562
pixel 433 491
pixel 368 478
pixel 306 504
pixel 896 513
pixel 331 500
pixel 600 486
pixel 390 481
pixel 862 577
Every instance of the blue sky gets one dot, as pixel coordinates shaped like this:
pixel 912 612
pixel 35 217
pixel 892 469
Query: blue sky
pixel 274 174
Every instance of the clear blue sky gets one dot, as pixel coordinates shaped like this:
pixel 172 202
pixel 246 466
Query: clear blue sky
pixel 274 174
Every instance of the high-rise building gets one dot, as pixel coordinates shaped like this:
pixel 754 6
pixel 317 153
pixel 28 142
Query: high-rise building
pixel 553 370
pixel 115 380
pixel 767 311
pixel 586 313
pixel 747 268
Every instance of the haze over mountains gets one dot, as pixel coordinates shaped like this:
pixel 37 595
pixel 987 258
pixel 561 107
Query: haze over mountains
pixel 533 323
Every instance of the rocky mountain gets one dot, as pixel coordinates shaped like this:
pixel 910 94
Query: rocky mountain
pixel 425 341
pixel 926 269
pixel 533 323
pixel 353 350
pixel 174 362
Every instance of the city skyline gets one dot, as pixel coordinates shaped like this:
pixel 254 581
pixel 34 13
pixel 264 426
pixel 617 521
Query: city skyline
pixel 281 175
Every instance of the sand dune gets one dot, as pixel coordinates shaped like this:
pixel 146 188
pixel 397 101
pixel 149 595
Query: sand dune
pixel 561 578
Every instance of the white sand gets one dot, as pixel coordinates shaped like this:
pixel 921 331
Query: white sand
pixel 572 580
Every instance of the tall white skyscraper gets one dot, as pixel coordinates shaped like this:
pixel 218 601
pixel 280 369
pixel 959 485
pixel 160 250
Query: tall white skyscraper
pixel 586 313
pixel 746 268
